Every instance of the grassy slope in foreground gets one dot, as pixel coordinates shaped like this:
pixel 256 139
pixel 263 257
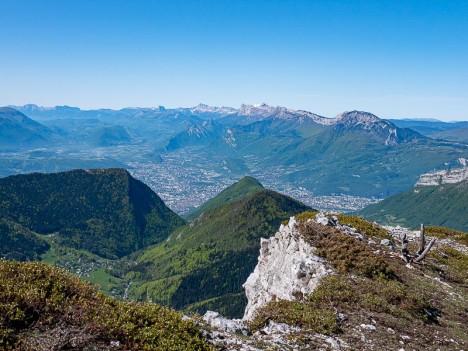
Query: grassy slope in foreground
pixel 243 188
pixel 204 264
pixel 45 308
pixel 443 205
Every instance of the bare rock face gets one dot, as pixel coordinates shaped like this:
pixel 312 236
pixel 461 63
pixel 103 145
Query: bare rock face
pixel 450 176
pixel 287 269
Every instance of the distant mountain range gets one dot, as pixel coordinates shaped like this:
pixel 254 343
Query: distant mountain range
pixel 17 130
pixel 355 154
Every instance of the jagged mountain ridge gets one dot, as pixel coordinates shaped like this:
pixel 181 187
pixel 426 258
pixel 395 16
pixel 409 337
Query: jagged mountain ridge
pixel 354 154
pixel 353 120
pixel 376 127
pixel 259 112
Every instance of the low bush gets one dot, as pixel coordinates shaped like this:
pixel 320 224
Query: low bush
pixel 45 308
pixel 364 227
pixel 345 253
pixel 446 233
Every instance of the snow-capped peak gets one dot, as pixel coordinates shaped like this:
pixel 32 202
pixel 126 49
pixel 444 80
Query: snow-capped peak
pixel 203 108
pixel 267 111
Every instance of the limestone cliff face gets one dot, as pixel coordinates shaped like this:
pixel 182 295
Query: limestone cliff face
pixel 287 269
pixel 450 176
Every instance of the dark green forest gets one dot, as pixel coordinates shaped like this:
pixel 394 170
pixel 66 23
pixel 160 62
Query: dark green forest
pixel 443 205
pixel 106 212
pixel 244 187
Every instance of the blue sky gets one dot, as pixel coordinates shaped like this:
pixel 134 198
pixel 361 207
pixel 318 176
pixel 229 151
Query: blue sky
pixel 397 59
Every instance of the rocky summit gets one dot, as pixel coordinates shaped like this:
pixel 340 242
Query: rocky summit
pixel 339 283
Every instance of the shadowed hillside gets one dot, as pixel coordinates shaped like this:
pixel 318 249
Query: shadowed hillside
pixel 104 211
pixel 443 205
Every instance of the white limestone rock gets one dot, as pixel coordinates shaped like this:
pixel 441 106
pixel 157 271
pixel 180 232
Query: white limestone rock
pixel 368 327
pixel 216 320
pixel 449 176
pixel 287 269
pixel 279 328
pixel 322 219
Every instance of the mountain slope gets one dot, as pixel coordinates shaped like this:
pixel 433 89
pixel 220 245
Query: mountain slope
pixel 17 130
pixel 110 136
pixel 19 243
pixel 375 128
pixel 374 158
pixel 243 188
pixel 355 154
pixel 197 134
pixel 44 308
pixel 203 265
pixel 104 211
pixel 372 300
pixel 455 134
pixel 443 205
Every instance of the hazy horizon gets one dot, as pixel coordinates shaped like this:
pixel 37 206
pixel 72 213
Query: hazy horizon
pixel 235 107
pixel 395 59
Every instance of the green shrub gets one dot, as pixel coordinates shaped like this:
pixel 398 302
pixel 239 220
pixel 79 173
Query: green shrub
pixel 45 308
pixel 298 314
pixel 446 233
pixel 365 227
pixel 454 264
pixel 338 293
pixel 345 253
pixel 304 216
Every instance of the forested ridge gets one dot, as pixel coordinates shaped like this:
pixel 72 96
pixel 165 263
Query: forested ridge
pixel 442 205
pixel 104 211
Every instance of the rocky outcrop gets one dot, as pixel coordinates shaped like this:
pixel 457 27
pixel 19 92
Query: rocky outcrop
pixel 231 335
pixel 217 321
pixel 287 269
pixel 449 176
pixel 413 236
